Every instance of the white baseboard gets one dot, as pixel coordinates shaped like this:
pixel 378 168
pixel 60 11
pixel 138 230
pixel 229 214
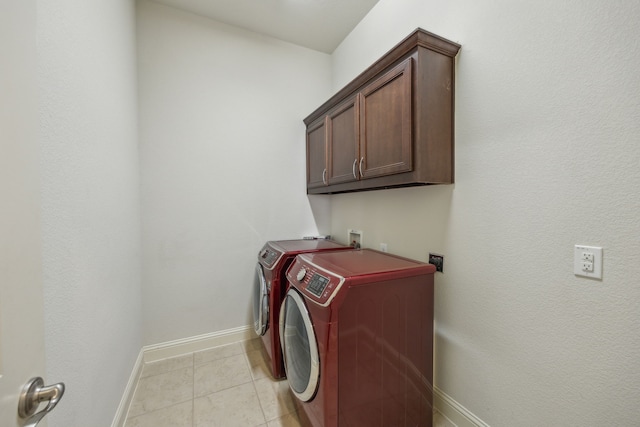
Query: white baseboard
pixel 179 347
pixel 152 353
pixel 455 412
pixel 123 408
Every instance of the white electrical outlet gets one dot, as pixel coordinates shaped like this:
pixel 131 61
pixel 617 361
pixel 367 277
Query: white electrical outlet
pixel 587 261
pixel 383 247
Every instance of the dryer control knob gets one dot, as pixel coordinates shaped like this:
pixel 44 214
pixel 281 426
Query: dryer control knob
pixel 301 274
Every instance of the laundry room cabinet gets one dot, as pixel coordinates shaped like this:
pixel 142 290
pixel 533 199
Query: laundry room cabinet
pixel 342 142
pixel 392 126
pixel 332 146
pixel 317 154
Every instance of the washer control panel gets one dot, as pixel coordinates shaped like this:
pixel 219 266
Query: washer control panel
pixel 317 284
pixel 268 256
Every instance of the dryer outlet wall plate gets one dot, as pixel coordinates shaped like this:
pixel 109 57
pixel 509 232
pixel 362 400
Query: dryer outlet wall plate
pixel 438 261
pixel 354 237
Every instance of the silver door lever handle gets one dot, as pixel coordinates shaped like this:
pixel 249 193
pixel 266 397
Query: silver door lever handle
pixel 33 393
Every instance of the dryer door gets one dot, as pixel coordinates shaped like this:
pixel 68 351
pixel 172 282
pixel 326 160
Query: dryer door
pixel 299 347
pixel 260 302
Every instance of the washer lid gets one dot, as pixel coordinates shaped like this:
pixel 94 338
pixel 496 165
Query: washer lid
pixel 273 252
pixel 305 245
pixel 355 263
pixel 320 276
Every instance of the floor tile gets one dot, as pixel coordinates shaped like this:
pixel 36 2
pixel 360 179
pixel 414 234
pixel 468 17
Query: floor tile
pixel 289 420
pixel 180 415
pixel 233 407
pixel 161 391
pixel 275 397
pixel 252 344
pixel 225 386
pixel 220 374
pixel 218 353
pixel 167 365
pixel 258 364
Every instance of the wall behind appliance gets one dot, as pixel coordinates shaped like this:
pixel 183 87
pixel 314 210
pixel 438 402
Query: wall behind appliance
pixel 222 164
pixel 90 203
pixel 547 155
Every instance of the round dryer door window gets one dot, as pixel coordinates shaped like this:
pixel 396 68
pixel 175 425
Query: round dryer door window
pixel 260 302
pixel 301 359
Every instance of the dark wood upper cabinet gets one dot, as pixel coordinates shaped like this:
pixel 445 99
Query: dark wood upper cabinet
pixel 385 124
pixel 342 142
pixel 392 126
pixel 316 154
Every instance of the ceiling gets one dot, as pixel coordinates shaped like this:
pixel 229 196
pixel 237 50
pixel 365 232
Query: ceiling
pixel 317 24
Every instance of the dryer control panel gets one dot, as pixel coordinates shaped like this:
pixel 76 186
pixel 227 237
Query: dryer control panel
pixel 268 256
pixel 318 285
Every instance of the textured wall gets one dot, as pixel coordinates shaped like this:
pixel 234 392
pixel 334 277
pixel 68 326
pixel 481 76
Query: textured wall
pixel 21 314
pixel 547 156
pixel 90 203
pixel 222 164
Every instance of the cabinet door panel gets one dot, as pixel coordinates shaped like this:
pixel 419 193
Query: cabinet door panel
pixel 342 144
pixel 385 124
pixel 316 154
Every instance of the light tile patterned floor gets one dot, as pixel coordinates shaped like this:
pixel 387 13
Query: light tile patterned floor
pixel 224 386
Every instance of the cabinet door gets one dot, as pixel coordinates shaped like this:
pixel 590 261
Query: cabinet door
pixel 342 143
pixel 385 124
pixel 317 154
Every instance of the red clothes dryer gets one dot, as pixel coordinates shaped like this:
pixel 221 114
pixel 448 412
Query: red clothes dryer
pixel 357 337
pixel 270 286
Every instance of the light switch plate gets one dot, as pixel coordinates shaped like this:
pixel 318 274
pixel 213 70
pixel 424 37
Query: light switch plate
pixel 587 261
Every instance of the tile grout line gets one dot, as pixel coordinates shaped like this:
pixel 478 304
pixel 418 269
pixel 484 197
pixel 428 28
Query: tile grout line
pixel 155 411
pixel 246 351
pixel 253 383
pixel 193 390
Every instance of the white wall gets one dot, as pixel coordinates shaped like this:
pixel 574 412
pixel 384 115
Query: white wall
pixel 547 156
pixel 222 164
pixel 21 299
pixel 90 203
